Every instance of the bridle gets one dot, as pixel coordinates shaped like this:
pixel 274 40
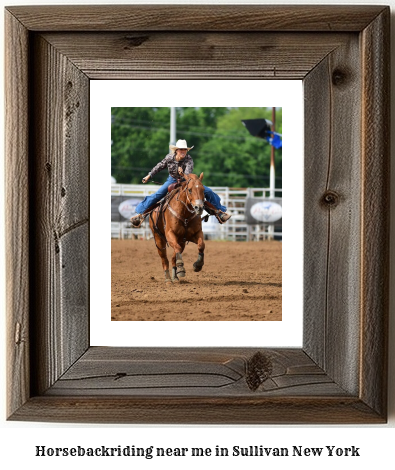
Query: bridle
pixel 184 220
pixel 186 191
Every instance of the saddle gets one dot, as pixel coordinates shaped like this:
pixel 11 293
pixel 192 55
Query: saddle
pixel 173 186
pixel 159 206
pixel 150 209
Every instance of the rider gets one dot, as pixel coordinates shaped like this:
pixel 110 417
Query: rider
pixel 178 162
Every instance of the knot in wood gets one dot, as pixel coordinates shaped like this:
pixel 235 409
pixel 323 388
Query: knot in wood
pixel 330 199
pixel 135 41
pixel 339 77
pixel 259 369
pixel 120 375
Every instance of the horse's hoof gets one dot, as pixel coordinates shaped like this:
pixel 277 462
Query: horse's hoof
pixel 167 276
pixel 180 273
pixel 174 277
pixel 197 268
pixel 199 263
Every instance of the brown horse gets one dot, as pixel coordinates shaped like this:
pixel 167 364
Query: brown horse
pixel 177 221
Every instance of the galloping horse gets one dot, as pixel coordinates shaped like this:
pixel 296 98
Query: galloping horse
pixel 177 221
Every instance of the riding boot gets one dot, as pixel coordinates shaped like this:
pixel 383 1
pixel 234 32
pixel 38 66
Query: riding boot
pixel 221 216
pixel 138 219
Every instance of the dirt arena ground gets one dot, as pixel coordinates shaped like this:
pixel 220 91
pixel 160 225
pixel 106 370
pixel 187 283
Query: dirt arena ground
pixel 239 281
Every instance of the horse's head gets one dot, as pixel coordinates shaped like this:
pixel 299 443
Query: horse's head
pixel 195 192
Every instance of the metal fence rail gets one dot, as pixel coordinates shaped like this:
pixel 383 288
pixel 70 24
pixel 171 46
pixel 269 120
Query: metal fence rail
pixel 236 229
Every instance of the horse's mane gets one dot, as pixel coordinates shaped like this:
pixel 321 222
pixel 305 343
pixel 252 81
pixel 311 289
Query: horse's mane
pixel 188 176
pixel 184 184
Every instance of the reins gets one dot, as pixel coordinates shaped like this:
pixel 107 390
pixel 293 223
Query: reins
pixel 155 182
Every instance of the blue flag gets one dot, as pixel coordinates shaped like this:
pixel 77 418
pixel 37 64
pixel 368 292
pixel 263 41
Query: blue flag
pixel 275 140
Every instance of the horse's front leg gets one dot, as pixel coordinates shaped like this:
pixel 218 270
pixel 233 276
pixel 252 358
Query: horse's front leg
pixel 161 246
pixel 199 240
pixel 178 269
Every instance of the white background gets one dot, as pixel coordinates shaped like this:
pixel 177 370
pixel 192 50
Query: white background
pixel 18 440
pixel 286 94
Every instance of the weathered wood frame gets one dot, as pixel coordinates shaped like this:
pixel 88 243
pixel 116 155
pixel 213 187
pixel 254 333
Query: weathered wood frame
pixel 340 374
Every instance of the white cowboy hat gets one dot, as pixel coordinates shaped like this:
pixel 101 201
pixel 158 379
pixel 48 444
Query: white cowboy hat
pixel 180 144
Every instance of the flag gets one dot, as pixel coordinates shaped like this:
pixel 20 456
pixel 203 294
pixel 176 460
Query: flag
pixel 275 139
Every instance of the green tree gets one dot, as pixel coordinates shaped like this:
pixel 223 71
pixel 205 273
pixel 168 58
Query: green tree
pixel 223 148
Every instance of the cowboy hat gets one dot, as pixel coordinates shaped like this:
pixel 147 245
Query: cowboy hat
pixel 180 144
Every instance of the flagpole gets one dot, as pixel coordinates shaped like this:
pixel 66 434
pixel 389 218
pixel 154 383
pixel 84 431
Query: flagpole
pixel 272 173
pixel 272 169
pixel 172 126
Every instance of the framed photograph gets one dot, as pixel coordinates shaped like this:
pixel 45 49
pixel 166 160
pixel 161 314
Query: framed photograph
pixel 339 375
pixel 241 281
pixel 237 282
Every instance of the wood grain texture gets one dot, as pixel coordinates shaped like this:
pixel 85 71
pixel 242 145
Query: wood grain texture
pixel 167 385
pixel 17 213
pixel 196 17
pixel 201 410
pixel 194 372
pixel 316 159
pixel 60 178
pixel 175 55
pixel 339 376
pixel 332 200
pixel 375 211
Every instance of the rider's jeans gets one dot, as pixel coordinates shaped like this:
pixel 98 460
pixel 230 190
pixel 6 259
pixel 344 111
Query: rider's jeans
pixel 148 201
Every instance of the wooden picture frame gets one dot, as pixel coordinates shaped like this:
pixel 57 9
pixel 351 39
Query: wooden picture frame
pixel 340 373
